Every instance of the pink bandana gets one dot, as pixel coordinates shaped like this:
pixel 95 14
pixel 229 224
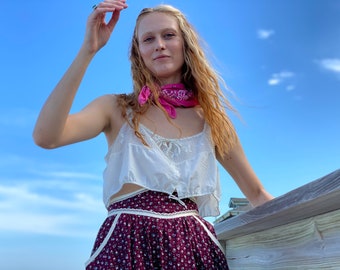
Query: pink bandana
pixel 171 96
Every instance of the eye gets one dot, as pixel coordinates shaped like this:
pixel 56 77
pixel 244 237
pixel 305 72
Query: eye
pixel 147 39
pixel 169 35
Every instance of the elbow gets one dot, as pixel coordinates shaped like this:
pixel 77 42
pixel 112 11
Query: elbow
pixel 42 141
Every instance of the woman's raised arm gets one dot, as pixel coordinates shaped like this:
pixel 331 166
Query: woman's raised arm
pixel 55 127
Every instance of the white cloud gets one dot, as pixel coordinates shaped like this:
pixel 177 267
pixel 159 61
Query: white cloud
pixel 278 78
pixel 265 34
pixel 24 210
pixel 273 81
pixel 49 198
pixel 68 174
pixel 49 169
pixel 22 194
pixel 332 65
pixel 38 223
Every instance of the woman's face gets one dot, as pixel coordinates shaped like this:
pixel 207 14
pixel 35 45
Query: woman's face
pixel 161 46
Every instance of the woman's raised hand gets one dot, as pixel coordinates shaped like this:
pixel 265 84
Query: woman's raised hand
pixel 98 31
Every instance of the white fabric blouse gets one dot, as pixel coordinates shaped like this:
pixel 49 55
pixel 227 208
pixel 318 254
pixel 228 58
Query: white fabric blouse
pixel 187 166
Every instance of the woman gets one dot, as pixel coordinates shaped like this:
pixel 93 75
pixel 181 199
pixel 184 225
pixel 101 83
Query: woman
pixel 164 140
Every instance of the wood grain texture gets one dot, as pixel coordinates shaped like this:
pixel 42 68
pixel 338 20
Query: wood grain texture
pixel 315 198
pixel 312 243
pixel 299 230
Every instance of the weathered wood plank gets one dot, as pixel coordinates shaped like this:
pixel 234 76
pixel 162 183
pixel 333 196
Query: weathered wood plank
pixel 315 198
pixel 311 244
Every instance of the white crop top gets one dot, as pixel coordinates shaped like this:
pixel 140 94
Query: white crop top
pixel 187 166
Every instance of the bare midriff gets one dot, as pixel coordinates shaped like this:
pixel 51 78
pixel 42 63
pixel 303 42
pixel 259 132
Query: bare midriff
pixel 125 190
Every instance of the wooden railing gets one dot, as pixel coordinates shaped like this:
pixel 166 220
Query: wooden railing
pixel 299 230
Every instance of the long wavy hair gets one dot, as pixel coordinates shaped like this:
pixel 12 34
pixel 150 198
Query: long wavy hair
pixel 197 75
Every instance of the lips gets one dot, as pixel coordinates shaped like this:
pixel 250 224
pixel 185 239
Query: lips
pixel 161 57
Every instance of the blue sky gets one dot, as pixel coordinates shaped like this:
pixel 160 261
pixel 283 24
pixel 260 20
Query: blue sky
pixel 281 58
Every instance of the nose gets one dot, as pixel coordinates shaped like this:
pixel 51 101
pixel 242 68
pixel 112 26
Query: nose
pixel 160 45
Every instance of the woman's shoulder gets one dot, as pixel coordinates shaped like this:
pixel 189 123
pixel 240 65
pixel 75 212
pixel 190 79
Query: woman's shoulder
pixel 108 102
pixel 107 98
pixel 113 112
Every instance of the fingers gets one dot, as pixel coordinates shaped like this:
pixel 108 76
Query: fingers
pixel 110 6
pixel 114 19
pixel 98 31
pixel 97 17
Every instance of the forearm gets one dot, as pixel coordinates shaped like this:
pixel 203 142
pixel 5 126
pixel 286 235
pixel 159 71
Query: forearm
pixel 53 116
pixel 249 183
pixel 262 197
pixel 241 171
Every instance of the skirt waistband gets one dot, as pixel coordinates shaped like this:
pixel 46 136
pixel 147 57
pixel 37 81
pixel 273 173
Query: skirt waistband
pixel 141 212
pixel 150 201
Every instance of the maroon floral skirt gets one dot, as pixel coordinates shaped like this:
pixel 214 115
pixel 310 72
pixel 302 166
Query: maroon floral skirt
pixel 153 230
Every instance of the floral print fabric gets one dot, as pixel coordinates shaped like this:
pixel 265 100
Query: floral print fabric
pixel 140 242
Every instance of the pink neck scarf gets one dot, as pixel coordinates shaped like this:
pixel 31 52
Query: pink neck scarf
pixel 171 96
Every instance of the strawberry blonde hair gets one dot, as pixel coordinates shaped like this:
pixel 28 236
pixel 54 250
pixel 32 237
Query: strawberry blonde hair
pixel 197 75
